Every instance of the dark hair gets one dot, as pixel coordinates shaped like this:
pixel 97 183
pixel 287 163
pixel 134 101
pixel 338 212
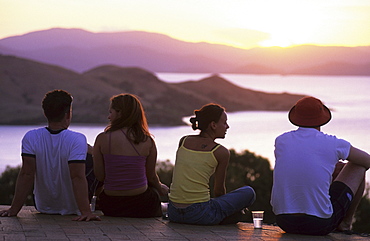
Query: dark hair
pixel 207 114
pixel 56 104
pixel 131 116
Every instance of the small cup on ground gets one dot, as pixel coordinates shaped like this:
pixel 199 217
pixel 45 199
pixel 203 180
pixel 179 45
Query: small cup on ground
pixel 257 218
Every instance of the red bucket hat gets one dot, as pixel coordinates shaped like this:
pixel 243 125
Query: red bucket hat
pixel 309 112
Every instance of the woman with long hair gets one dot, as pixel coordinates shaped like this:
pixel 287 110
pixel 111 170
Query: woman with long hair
pixel 197 159
pixel 125 157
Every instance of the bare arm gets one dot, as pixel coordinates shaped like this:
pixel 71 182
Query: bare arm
pixel 99 168
pixel 353 173
pixel 24 186
pixel 222 156
pixel 79 183
pixel 359 157
pixel 153 179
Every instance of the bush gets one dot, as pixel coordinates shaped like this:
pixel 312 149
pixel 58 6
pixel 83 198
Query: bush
pixel 362 220
pixel 7 186
pixel 247 169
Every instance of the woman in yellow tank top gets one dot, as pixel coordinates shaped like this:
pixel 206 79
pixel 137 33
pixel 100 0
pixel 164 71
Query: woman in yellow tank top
pixel 197 159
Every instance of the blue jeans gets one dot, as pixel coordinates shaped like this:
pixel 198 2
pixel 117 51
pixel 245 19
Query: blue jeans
pixel 215 210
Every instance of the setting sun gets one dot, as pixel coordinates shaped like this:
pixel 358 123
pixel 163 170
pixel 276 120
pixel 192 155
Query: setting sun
pixel 294 23
pixel 290 24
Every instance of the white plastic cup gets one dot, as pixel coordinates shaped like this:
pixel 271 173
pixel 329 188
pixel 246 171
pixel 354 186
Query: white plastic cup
pixel 164 206
pixel 257 218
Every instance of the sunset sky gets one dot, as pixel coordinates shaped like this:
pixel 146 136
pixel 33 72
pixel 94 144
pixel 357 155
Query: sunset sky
pixel 240 23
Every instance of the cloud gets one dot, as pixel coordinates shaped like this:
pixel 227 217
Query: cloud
pixel 243 38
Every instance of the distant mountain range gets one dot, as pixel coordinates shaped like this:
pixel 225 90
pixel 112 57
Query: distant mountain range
pixel 23 83
pixel 80 50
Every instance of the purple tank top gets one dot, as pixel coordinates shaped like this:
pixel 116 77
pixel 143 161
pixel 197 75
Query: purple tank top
pixel 124 172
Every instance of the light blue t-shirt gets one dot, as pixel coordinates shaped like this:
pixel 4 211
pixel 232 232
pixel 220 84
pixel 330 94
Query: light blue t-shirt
pixel 304 162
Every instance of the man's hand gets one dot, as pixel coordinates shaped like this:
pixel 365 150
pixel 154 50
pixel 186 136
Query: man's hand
pixel 8 213
pixel 88 217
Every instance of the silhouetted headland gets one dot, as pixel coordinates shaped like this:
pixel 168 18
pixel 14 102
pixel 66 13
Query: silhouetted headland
pixel 24 83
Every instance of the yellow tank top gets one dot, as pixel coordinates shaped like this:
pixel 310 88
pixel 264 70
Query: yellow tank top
pixel 190 182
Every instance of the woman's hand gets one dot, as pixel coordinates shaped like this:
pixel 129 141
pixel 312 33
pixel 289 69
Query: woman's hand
pixel 164 190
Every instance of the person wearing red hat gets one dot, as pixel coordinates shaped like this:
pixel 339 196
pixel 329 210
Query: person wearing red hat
pixel 311 195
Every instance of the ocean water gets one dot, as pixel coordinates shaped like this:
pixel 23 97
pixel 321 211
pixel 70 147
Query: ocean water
pixel 347 97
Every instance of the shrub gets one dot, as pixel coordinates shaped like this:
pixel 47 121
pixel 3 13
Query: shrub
pixel 362 220
pixel 7 186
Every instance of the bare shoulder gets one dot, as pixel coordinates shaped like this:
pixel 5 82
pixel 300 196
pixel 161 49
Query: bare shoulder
pixel 100 137
pixel 182 140
pixel 190 137
pixel 222 153
pixel 101 134
pixel 151 142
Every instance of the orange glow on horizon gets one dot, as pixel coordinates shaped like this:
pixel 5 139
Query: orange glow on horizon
pixel 243 24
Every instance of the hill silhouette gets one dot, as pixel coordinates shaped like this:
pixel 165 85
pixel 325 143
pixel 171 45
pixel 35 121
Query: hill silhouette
pixel 24 83
pixel 234 98
pixel 80 50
